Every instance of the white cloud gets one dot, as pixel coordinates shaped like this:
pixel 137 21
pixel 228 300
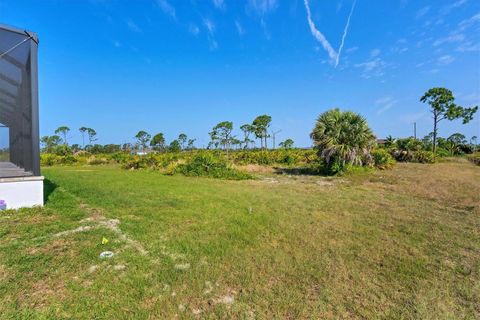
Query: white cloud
pixel 374 53
pixel 133 26
pixel 239 27
pixel 262 7
pixel 468 46
pixel 469 22
pixel 452 37
pixel 193 29
pixel 167 8
pixel 210 26
pixel 318 35
pixel 422 12
pixel 446 9
pixel 445 60
pixel 385 104
pixel 332 53
pixel 219 4
pixel 352 49
pixel 372 68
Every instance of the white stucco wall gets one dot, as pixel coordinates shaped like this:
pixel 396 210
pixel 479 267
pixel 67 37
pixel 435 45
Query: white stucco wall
pixel 22 192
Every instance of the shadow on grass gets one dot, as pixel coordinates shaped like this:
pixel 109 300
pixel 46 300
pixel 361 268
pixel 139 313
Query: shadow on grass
pixel 302 171
pixel 48 188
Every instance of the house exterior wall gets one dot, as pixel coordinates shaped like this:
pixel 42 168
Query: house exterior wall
pixel 22 192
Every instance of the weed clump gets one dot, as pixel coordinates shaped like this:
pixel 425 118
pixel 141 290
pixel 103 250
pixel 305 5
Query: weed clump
pixel 207 165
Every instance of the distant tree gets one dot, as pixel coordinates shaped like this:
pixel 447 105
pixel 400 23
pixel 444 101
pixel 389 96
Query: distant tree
pixel 390 141
pixel 127 147
pixel 247 130
pixel 50 142
pixel 63 131
pixel 75 148
pixel 83 131
pixel 427 141
pixel 457 138
pixel 92 135
pixel 143 138
pixel 158 142
pixel 221 134
pixel 190 145
pixel 261 125
pixel 175 146
pixel 236 143
pixel 111 148
pixel 473 142
pixel 343 138
pixel 182 138
pixel 409 144
pixel 442 104
pixel 287 144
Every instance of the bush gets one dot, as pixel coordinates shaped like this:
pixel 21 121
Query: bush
pixel 135 162
pixel 50 159
pixel 475 158
pixel 207 165
pixel 382 159
pixel 93 161
pixel 424 157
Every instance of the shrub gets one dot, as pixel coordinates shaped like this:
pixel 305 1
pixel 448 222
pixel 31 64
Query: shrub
pixel 475 158
pixel 382 159
pixel 50 159
pixel 93 161
pixel 343 138
pixel 207 165
pixel 135 162
pixel 423 157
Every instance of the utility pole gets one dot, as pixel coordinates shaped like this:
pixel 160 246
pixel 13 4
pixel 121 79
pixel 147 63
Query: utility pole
pixel 415 130
pixel 273 137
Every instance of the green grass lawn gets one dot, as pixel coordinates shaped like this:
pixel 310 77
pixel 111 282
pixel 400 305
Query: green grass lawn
pixel 399 244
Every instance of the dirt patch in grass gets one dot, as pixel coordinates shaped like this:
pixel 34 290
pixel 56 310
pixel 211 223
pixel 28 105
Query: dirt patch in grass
pixel 43 292
pixel 54 247
pixel 255 168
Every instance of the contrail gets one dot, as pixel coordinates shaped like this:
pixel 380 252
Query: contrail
pixel 321 38
pixel 345 33
pixel 318 35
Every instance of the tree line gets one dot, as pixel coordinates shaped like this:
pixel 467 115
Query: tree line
pixel 221 137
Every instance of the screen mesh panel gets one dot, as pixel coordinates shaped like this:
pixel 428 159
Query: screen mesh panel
pixel 19 142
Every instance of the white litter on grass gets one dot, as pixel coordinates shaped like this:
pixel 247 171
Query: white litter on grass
pixel 106 255
pixel 92 269
pixel 226 300
pixel 196 311
pixel 119 267
pixel 182 266
pixel 76 230
pixel 208 288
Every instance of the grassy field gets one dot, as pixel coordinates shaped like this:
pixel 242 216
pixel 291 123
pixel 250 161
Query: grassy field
pixel 398 244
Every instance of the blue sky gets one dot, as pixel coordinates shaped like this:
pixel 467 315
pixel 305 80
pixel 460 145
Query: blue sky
pixel 183 66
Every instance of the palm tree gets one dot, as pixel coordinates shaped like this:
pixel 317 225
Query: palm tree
pixel 390 141
pixel 343 138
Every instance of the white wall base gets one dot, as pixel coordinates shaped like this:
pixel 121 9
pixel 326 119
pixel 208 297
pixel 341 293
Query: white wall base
pixel 22 192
